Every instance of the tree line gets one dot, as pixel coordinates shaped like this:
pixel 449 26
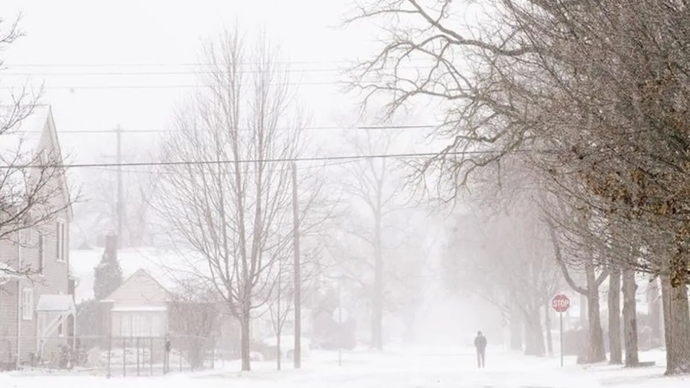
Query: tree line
pixel 588 100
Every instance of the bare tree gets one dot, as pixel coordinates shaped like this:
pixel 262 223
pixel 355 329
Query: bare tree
pixel 595 349
pixel 594 91
pixel 504 259
pixel 225 192
pixel 280 303
pixel 194 315
pixel 280 306
pixel 503 254
pixel 33 184
pixel 374 195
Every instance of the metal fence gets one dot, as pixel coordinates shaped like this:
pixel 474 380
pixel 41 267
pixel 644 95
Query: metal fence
pixel 120 356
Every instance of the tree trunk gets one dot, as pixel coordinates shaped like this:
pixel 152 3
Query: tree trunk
pixel 655 313
pixel 676 326
pixel 278 319
pixel 547 328
pixel 596 351
pixel 534 344
pixel 377 305
pixel 245 321
pixel 516 328
pixel 278 355
pixel 530 341
pixel 630 318
pixel 583 312
pixel 614 307
pixel 595 343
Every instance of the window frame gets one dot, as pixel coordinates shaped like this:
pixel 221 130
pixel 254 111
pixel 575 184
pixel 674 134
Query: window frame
pixel 60 256
pixel 27 304
pixel 41 253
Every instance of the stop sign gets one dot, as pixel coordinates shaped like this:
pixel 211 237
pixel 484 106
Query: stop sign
pixel 560 303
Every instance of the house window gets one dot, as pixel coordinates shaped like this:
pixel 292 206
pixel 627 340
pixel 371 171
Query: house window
pixel 60 242
pixel 27 304
pixel 140 324
pixel 124 325
pixel 41 253
pixel 156 326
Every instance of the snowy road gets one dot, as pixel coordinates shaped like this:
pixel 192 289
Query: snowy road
pixel 412 368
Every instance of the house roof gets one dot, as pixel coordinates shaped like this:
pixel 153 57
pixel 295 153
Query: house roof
pixel 137 275
pixel 53 302
pixel 160 264
pixel 21 143
pixel 24 137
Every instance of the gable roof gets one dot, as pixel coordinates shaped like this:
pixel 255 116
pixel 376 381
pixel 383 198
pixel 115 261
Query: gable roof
pixel 137 276
pixel 160 264
pixel 26 134
pixel 21 143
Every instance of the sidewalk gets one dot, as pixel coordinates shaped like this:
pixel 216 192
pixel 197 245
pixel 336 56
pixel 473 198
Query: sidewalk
pixel 394 368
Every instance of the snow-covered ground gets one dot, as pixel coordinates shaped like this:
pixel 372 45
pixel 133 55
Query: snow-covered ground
pixel 404 368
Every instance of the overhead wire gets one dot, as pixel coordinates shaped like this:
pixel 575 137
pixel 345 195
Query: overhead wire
pixel 183 64
pixel 267 160
pixel 308 128
pixel 302 168
pixel 184 72
pixel 145 87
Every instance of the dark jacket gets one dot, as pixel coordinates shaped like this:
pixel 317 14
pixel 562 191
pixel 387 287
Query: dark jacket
pixel 480 342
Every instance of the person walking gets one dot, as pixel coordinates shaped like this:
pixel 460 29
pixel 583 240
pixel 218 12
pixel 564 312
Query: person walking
pixel 166 356
pixel 480 345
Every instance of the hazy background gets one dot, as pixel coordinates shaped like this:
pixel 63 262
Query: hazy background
pixel 131 63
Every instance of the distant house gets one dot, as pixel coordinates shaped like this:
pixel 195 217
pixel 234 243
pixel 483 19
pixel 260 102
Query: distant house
pixel 37 313
pixel 138 308
pixel 144 306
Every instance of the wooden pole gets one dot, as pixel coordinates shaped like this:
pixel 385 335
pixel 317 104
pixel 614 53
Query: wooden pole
pixel 120 196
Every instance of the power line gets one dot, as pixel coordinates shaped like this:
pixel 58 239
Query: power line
pixel 185 72
pixel 248 161
pixel 148 73
pixel 316 128
pixel 183 64
pixel 312 167
pixel 154 87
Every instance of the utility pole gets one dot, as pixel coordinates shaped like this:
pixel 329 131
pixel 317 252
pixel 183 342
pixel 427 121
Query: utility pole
pixel 120 201
pixel 298 278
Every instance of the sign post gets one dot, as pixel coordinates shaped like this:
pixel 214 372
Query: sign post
pixel 340 315
pixel 561 303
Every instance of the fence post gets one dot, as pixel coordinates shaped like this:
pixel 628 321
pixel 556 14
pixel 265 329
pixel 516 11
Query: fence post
pixel 124 356
pixel 110 350
pixel 166 357
pixel 138 357
pixel 151 358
